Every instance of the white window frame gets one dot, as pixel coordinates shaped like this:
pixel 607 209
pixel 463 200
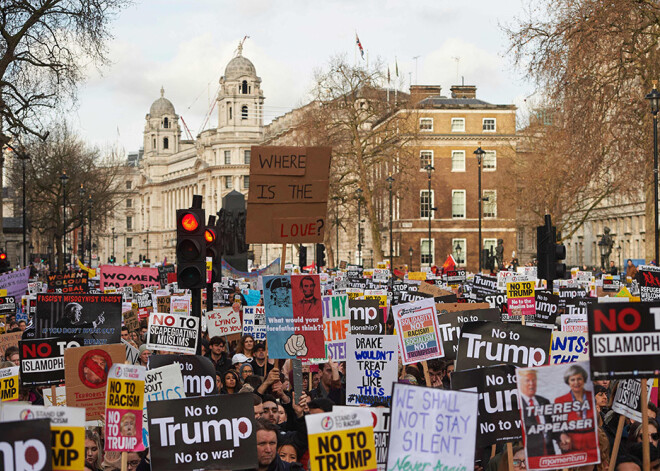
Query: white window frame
pixel 483 161
pixel 483 125
pixel 227 153
pixel 457 152
pixel 421 192
pixel 247 156
pixel 454 192
pixel 422 168
pixel 484 203
pixel 246 178
pixel 423 253
pixel 229 183
pixel 425 120
pixel 463 243
pixel 457 120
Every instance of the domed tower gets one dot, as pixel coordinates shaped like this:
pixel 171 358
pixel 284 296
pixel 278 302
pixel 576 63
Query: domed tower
pixel 161 131
pixel 240 100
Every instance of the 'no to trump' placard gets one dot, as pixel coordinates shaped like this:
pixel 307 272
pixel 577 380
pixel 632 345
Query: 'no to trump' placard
pixel 520 297
pixel 9 384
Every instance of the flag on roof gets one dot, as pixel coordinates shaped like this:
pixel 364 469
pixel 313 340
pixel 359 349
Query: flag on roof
pixel 359 45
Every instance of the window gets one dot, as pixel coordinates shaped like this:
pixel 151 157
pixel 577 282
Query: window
pixel 129 223
pixel 425 158
pixel 246 181
pixel 521 239
pixel 244 87
pixel 489 161
pixel 227 157
pixel 458 161
pixel 166 143
pixel 488 125
pixel 154 143
pixel 229 184
pixel 247 154
pixel 129 202
pixel 490 244
pixel 244 112
pixel 459 249
pixel 426 124
pixel 129 242
pixel 425 204
pixel 230 113
pixel 129 184
pixel 458 204
pixel 427 255
pixel 458 125
pixel 489 203
pixel 166 123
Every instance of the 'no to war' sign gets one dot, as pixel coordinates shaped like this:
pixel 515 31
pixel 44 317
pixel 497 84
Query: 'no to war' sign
pixel 173 332
pixel 124 403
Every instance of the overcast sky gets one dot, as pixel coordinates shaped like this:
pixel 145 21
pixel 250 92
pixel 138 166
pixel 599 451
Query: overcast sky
pixel 184 45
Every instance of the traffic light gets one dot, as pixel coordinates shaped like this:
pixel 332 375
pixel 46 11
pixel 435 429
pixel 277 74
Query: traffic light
pixel 213 248
pixel 190 248
pixel 302 256
pixel 4 262
pixel 549 253
pixel 320 256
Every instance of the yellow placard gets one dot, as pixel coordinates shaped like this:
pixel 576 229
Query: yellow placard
pixel 3 292
pixel 68 448
pixel 382 299
pixel 352 449
pixel 417 275
pixel 519 289
pixel 124 394
pixel 352 295
pixel 9 384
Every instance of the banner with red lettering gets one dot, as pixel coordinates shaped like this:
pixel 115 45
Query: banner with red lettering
pixel 126 276
pixel 223 321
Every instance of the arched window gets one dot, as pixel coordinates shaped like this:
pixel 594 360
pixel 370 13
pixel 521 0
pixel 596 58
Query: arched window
pixel 244 112
pixel 166 123
pixel 230 112
pixel 244 87
pixel 166 143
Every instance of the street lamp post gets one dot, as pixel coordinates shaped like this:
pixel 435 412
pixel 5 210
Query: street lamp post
pixel 390 180
pixel 459 250
pixel 359 198
pixel 147 245
pixel 654 99
pixel 113 245
pixel 64 177
pixel 336 198
pixel 82 223
pixel 410 252
pixel 30 253
pixel 50 257
pixel 89 218
pixel 479 153
pixel 429 169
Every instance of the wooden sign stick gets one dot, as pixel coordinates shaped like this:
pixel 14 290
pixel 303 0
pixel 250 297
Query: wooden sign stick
pixel 53 398
pixel 617 442
pixel 427 377
pixel 646 450
pixel 509 454
pixel 282 259
pixel 493 449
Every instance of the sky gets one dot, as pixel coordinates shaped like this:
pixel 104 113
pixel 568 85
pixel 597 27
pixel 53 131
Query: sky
pixel 184 46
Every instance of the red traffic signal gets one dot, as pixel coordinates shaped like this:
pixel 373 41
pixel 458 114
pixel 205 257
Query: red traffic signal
pixel 3 256
pixel 209 235
pixel 189 222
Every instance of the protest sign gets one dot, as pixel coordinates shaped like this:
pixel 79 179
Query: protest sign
pixel 499 414
pixel 163 271
pixel 86 376
pixel 279 314
pixel 573 323
pixel 163 304
pixel 68 282
pixel 15 283
pixel 520 297
pixel 443 436
pixel 197 371
pixel 648 278
pixel 42 360
pixel 579 306
pixel 26 445
pixel 547 307
pixel 123 408
pixel 627 399
pixel 624 340
pixel 9 340
pixel 288 196
pixel 9 384
pixel 336 322
pixel 554 412
pixel 451 322
pixel 67 426
pixel 308 314
pixel 58 400
pixel 111 275
pixel 193 433
pixel 180 304
pixel 7 305
pixel 569 347
pixel 131 320
pixel 160 384
pixel 223 321
pixel 341 440
pixel 366 317
pixel 254 322
pixel 491 343
pixel 381 418
pixel 96 318
pixel 173 332
pixel 145 304
pixel 417 330
pixel 372 367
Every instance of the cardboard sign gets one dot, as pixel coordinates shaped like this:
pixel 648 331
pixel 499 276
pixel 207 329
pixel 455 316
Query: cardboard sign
pixel 491 343
pixel 520 297
pixel 417 330
pixel 341 440
pixel 627 399
pixel 111 275
pixel 499 414
pixel 9 384
pixel 371 368
pixel 443 437
pixel 451 322
pixel 86 376
pixel 160 384
pixel 163 304
pixel 26 445
pixel 197 371
pixel 173 332
pixel 254 322
pixel 131 320
pixel 42 360
pixel 366 317
pixel 96 318
pixel 123 408
pixel 553 411
pixel 67 426
pixel 9 340
pixel 624 340
pixel 223 321
pixel 569 347
pixel 335 316
pixel 68 282
pixel 227 438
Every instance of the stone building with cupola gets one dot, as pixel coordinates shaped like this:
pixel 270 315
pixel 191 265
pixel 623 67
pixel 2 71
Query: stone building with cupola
pixel 165 174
